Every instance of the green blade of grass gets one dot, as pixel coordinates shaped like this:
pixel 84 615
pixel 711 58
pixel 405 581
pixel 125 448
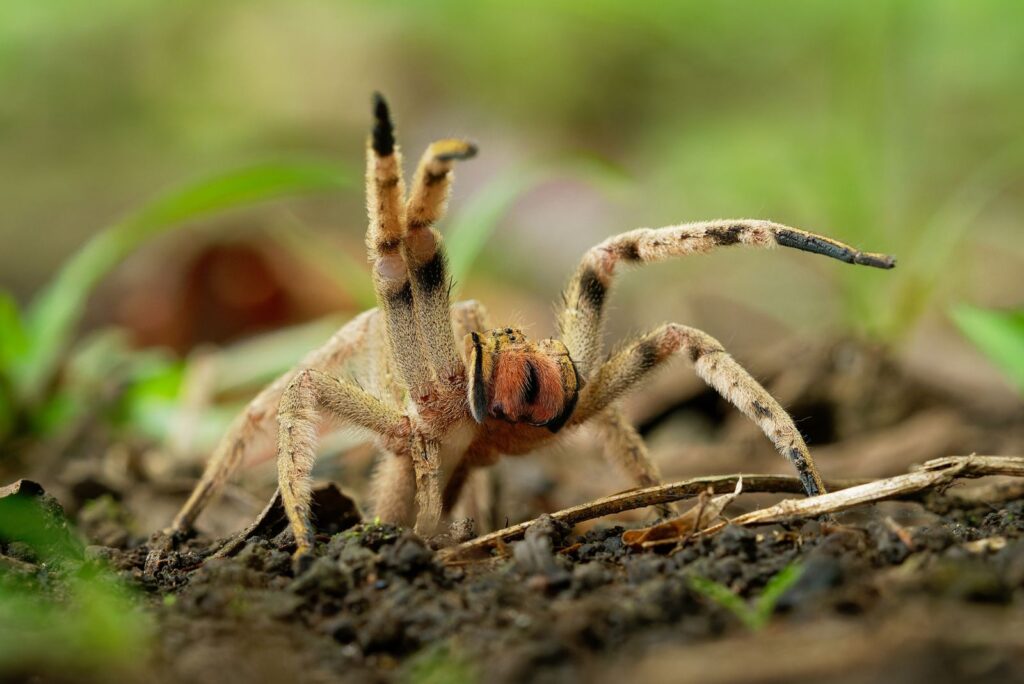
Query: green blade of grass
pixel 351 275
pixel 773 591
pixel 246 366
pixel 56 310
pixel 13 342
pixel 723 596
pixel 999 334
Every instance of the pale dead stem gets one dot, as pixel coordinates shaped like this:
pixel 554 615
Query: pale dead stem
pixel 934 474
pixel 640 498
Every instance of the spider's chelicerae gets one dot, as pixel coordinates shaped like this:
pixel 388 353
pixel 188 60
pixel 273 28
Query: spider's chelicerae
pixel 446 393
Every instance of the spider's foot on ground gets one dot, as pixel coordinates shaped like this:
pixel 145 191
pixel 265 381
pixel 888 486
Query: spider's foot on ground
pixel 302 559
pixel 160 544
pixel 458 531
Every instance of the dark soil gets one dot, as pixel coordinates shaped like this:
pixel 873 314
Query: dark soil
pixel 923 591
pixel 940 598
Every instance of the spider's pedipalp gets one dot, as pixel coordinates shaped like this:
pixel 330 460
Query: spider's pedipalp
pixel 581 318
pixel 625 369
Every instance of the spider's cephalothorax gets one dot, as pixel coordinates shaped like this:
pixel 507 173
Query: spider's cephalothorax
pixel 439 411
pixel 520 381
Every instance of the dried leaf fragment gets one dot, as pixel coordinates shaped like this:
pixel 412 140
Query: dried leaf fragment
pixel 707 509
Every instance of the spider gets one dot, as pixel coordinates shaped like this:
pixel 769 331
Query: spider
pixel 445 393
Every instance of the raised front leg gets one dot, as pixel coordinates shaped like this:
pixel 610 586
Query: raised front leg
pixel 385 234
pixel 628 367
pixel 582 315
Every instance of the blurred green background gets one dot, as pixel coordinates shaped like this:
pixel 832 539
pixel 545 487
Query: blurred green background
pixel 896 126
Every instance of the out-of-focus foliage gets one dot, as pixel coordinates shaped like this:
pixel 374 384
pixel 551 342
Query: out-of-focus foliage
pixel 894 125
pixel 53 314
pixel 1000 334
pixel 439 664
pixel 66 615
pixel 36 344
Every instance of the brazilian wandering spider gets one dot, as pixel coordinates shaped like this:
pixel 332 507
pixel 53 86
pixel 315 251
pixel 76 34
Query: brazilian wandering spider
pixel 445 393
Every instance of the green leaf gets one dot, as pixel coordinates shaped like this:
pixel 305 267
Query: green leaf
pixel 13 343
pixel 56 311
pixel 350 275
pixel 91 616
pixel 248 365
pixel 13 338
pixel 999 334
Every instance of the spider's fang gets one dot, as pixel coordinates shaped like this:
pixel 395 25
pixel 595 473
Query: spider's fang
pixel 477 389
pixel 383 129
pixel 559 421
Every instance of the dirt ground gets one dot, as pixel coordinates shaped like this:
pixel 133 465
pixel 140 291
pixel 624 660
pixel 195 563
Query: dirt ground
pixel 910 591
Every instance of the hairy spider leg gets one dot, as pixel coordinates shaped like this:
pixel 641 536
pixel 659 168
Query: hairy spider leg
pixel 393 487
pixel 385 203
pixel 251 432
pixel 632 363
pixel 308 396
pixel 625 449
pixel 425 256
pixel 582 315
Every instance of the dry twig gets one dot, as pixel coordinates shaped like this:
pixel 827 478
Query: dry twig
pixel 934 474
pixel 640 498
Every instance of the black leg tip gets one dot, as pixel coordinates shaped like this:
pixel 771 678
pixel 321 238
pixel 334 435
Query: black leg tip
pixel 467 152
pixel 383 129
pixel 875 260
